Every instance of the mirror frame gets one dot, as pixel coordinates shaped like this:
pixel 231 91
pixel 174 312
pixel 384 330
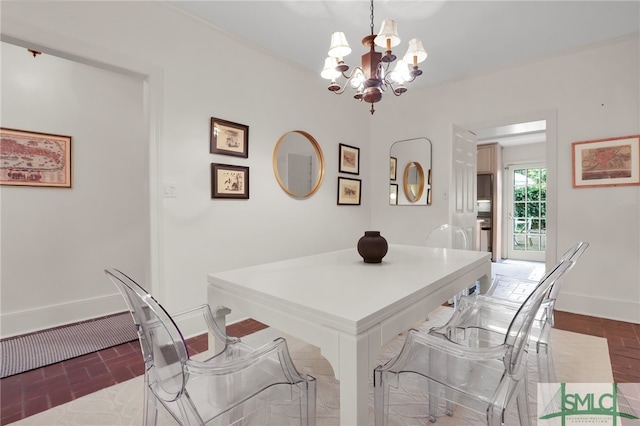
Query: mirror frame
pixel 316 146
pixel 407 190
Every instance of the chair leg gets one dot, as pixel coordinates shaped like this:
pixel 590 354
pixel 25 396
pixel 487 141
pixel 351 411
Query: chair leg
pixel 449 403
pixel 522 402
pixel 546 369
pixel 150 409
pixel 435 363
pixel 308 413
pixel 492 419
pixel 433 401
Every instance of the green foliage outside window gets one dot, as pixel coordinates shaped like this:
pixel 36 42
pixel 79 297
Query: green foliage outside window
pixel 530 195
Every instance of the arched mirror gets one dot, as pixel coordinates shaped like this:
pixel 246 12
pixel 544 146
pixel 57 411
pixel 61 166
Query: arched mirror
pixel 410 169
pixel 298 164
pixel 413 181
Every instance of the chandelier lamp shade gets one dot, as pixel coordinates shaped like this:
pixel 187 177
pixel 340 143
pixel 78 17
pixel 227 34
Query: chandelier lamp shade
pixel 373 77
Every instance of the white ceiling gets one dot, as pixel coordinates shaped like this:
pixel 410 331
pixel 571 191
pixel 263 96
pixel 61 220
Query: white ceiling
pixel 462 38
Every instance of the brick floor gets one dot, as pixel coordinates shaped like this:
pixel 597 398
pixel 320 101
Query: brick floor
pixel 25 394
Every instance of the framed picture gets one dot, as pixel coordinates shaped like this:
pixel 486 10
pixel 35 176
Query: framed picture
pixel 349 159
pixel 393 168
pixel 349 191
pixel 393 194
pixel 606 162
pixel 34 159
pixel 229 138
pixel 229 181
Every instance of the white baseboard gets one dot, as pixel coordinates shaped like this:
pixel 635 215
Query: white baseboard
pixel 28 321
pixel 618 310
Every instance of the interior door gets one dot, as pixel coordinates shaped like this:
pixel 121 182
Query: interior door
pixel 527 211
pixel 463 197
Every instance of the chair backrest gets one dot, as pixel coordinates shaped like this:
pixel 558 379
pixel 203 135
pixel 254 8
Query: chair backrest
pixel 163 346
pixel 572 255
pixel 448 236
pixel 518 332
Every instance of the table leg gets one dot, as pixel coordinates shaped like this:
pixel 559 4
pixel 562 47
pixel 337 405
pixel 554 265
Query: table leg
pixel 484 282
pixel 354 380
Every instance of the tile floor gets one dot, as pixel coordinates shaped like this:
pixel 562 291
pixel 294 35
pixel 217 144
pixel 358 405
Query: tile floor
pixel 25 394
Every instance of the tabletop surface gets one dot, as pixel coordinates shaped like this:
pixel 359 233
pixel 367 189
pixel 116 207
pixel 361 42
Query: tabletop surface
pixel 338 286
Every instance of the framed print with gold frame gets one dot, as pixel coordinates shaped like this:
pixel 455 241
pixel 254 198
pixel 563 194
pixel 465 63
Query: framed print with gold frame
pixel 606 162
pixel 34 159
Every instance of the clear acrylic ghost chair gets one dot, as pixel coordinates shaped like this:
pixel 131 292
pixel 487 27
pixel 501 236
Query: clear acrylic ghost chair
pixel 450 237
pixel 477 368
pixel 506 295
pixel 239 385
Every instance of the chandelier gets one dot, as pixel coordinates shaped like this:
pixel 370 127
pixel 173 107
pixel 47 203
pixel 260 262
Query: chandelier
pixel 373 78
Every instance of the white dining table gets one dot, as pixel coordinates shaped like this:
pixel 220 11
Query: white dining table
pixel 348 308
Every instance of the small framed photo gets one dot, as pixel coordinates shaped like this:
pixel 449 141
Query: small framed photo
pixel 229 181
pixel 393 194
pixel 34 159
pixel 349 191
pixel 349 159
pixel 228 138
pixel 393 168
pixel 606 162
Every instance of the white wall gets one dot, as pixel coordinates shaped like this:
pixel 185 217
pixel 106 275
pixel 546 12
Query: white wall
pixel 57 241
pixel 530 152
pixel 197 72
pixel 595 93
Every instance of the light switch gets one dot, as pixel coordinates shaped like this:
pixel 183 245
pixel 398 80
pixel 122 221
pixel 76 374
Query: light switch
pixel 170 190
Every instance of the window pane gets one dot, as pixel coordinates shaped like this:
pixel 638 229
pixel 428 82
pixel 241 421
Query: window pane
pixel 535 225
pixel 533 209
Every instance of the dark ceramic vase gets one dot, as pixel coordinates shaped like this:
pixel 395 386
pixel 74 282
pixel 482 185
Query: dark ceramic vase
pixel 372 247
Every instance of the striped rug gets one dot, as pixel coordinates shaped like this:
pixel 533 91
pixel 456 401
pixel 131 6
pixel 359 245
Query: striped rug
pixel 26 352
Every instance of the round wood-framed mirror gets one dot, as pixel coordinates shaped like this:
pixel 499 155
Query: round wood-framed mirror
pixel 298 164
pixel 413 181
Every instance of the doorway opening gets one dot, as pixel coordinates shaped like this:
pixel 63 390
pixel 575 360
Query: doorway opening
pixel 528 144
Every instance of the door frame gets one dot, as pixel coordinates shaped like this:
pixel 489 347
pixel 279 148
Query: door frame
pixel 552 168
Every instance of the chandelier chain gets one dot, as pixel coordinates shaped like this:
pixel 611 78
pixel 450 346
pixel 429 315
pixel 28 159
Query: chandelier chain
pixel 371 16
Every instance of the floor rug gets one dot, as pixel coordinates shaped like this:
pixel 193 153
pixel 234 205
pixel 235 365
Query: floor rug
pixel 578 358
pixel 23 353
pixel 519 269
